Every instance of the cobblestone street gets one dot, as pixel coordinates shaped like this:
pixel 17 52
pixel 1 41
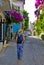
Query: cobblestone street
pixel 33 53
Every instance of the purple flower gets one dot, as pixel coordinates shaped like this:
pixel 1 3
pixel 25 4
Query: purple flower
pixel 16 15
pixel 37 12
pixel 24 16
pixel 38 2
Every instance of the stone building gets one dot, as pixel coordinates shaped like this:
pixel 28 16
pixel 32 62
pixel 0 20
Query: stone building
pixel 18 5
pixel 4 6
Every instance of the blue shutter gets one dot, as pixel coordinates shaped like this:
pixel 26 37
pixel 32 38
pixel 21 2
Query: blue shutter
pixel 16 27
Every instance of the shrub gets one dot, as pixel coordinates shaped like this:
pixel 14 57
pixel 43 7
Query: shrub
pixel 42 36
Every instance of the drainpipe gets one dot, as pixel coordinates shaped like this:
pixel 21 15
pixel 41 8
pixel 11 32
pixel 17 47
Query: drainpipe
pixel 10 3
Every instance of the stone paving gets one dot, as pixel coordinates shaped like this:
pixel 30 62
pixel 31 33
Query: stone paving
pixel 33 53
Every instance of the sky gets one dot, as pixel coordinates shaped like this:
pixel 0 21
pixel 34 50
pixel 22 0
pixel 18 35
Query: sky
pixel 30 8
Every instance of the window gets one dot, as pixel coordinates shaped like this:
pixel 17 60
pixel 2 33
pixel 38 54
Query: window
pixel 0 2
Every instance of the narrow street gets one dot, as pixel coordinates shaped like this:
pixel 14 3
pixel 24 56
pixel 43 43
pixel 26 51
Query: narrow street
pixel 33 53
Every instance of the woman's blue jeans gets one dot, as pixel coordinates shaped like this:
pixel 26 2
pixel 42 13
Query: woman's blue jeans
pixel 20 50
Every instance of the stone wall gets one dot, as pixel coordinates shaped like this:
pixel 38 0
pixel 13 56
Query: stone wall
pixel 5 5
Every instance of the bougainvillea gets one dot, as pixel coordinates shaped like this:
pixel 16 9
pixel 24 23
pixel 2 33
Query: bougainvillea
pixel 40 18
pixel 39 2
pixel 16 15
pixel 26 18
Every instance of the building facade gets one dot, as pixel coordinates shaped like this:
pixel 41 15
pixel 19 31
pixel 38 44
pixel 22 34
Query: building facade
pixel 18 5
pixel 6 5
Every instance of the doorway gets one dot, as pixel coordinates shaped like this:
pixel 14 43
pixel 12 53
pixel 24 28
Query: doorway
pixel 0 28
